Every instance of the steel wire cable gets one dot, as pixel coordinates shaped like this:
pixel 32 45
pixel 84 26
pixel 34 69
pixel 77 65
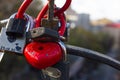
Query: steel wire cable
pixel 93 55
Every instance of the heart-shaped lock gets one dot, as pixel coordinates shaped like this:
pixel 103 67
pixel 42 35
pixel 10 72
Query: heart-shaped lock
pixel 43 54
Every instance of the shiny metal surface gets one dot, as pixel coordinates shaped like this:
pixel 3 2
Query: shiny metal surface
pixel 64 50
pixel 1 55
pixel 52 72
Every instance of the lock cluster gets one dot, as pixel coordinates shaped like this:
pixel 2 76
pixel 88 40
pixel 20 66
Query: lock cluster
pixel 40 39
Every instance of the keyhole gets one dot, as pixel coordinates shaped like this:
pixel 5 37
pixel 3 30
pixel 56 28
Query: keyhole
pixel 41 48
pixel 11 39
pixel 34 31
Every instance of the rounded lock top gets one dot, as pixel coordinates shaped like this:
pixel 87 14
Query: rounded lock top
pixel 42 55
pixel 17 27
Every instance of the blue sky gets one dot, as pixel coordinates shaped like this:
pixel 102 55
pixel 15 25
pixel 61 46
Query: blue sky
pixel 96 8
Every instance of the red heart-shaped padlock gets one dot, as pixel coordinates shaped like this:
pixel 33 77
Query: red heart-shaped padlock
pixel 43 54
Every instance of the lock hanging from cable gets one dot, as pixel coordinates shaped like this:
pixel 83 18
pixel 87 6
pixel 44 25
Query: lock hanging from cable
pixel 46 48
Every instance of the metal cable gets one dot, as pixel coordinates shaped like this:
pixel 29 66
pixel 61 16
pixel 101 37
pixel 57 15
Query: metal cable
pixel 93 55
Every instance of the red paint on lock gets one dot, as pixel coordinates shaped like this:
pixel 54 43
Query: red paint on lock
pixel 22 9
pixel 42 55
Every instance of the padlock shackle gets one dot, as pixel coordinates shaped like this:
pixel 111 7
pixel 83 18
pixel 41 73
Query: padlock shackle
pixel 40 15
pixel 45 8
pixel 23 8
pixel 64 8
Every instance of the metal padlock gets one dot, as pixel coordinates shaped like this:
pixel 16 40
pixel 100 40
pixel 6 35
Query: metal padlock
pixel 53 24
pixel 14 44
pixel 59 71
pixel 43 34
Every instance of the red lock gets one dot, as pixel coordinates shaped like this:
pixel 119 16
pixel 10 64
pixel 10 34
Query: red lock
pixel 43 54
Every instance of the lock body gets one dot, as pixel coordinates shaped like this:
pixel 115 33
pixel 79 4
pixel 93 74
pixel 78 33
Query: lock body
pixel 13 36
pixel 11 44
pixel 43 34
pixel 43 54
pixel 16 27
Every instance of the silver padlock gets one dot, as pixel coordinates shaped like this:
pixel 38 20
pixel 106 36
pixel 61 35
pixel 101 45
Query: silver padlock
pixel 15 44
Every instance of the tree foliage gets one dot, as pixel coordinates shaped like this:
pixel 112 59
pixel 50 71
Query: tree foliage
pixel 8 7
pixel 99 42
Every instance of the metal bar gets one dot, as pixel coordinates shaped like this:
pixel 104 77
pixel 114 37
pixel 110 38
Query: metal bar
pixel 51 10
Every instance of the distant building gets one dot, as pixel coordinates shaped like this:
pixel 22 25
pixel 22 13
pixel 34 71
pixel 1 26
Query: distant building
pixel 114 30
pixel 83 21
pixel 71 17
pixel 101 22
pixel 99 25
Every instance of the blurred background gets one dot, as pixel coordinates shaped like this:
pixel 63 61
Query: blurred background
pixel 94 25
